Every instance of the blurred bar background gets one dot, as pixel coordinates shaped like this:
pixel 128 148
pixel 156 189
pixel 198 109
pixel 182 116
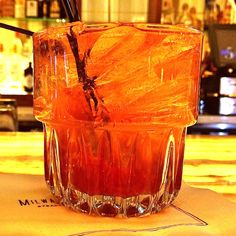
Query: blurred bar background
pixel 213 165
pixel 217 107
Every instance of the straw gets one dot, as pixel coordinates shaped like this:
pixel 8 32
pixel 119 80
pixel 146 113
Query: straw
pixel 71 9
pixel 16 29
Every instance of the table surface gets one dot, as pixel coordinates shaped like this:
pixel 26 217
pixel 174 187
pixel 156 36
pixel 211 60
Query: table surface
pixel 210 161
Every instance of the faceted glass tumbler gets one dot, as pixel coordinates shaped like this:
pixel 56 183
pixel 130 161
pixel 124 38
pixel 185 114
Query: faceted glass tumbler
pixel 115 101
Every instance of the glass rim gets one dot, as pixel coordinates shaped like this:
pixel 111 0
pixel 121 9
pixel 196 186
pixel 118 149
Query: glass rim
pixel 143 26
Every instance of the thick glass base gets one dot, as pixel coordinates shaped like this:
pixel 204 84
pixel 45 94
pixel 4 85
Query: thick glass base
pixel 114 172
pixel 111 206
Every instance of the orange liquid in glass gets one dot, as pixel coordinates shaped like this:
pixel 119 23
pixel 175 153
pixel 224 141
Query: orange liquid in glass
pixel 115 118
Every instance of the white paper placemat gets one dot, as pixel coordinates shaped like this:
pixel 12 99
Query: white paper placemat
pixel 27 208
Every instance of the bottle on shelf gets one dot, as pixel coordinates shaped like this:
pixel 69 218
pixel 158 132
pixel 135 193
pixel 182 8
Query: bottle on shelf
pixel 28 79
pixel 196 22
pixel 19 9
pixel 31 8
pixel 55 9
pixel 44 8
pixel 40 8
pixel 228 13
pixel 184 16
pixel 62 11
pixel 167 12
pixel 211 12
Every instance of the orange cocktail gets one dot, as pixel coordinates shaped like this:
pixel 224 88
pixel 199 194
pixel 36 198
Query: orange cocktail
pixel 115 101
